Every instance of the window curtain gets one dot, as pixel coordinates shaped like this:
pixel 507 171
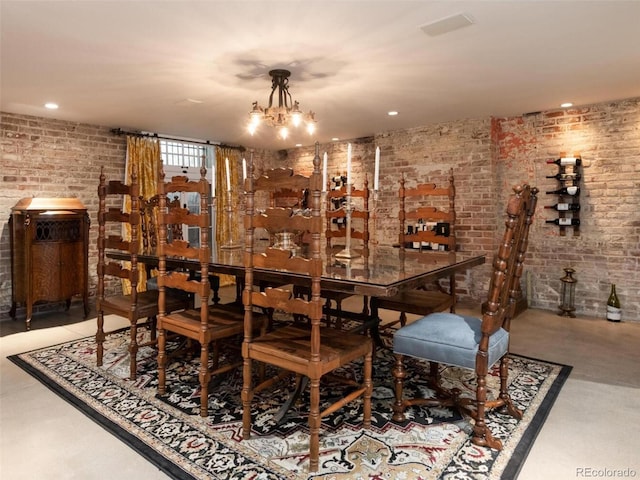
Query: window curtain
pixel 143 158
pixel 226 230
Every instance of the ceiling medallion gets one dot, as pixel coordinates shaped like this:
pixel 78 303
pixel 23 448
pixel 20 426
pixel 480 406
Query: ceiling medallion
pixel 286 114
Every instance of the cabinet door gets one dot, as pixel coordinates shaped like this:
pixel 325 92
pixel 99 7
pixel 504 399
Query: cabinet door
pixel 45 271
pixel 72 267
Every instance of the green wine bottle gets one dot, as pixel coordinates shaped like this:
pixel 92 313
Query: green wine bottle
pixel 614 312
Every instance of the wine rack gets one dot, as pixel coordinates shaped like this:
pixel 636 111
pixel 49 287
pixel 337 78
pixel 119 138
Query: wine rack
pixel 567 206
pixel 337 183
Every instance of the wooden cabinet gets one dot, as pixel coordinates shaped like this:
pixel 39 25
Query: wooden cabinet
pixel 49 252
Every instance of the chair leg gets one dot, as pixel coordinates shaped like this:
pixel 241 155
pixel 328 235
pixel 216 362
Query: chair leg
pixel 504 393
pixel 481 434
pixel 100 339
pixel 314 425
pixel 398 374
pixel 215 346
pixel 247 396
pixel 327 308
pixel 403 319
pixel 339 314
pixel 368 384
pixel 205 376
pixel 133 350
pixel 152 323
pixel 162 362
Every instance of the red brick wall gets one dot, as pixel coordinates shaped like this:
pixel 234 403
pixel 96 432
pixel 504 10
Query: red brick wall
pixel 607 250
pixel 489 156
pixel 50 158
pixel 54 158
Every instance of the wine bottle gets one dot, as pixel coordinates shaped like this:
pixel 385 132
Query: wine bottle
pixel 566 191
pixel 614 312
pixel 565 207
pixel 417 228
pixel 565 221
pixel 566 177
pixel 409 232
pixel 566 161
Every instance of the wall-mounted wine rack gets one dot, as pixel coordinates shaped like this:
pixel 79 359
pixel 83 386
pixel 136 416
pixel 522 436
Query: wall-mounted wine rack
pixel 337 202
pixel 568 192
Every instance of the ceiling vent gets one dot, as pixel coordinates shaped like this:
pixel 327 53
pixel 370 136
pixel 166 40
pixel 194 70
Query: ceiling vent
pixel 447 24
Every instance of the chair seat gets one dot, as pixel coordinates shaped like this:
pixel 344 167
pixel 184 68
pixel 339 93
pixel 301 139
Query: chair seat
pixel 223 323
pixel 448 338
pixel 147 305
pixel 417 302
pixel 290 348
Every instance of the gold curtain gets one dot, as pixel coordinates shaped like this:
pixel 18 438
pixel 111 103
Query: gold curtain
pixel 143 158
pixel 225 230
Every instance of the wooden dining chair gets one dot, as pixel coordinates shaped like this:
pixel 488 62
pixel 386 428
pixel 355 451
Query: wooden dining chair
pixel 306 350
pixel 288 198
pixel 203 324
pixel 138 307
pixel 469 342
pixel 336 229
pixel 427 224
pixel 149 223
pixel 336 216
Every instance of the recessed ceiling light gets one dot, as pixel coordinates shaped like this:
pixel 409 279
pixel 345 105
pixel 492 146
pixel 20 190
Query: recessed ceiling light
pixel 298 144
pixel 566 104
pixel 51 105
pixel 392 113
pixel 335 139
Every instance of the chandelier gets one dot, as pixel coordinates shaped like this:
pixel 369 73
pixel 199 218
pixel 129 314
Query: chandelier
pixel 286 114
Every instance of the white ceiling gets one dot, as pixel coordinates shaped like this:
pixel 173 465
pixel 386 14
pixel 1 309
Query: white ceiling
pixel 136 64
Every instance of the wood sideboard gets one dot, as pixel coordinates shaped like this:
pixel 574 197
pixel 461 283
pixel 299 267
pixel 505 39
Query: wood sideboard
pixel 49 252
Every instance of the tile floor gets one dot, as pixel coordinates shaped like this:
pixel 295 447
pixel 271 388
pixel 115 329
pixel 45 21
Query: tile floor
pixel 593 430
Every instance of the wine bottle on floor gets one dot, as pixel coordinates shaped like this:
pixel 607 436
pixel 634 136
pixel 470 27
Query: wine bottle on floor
pixel 614 312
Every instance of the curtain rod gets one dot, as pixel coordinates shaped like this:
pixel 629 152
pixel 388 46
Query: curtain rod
pixel 119 131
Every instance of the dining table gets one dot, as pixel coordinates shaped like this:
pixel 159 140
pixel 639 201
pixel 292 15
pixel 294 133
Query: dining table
pixel 380 272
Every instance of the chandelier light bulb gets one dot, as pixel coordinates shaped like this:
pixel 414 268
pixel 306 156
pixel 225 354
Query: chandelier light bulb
pixel 286 114
pixel 311 128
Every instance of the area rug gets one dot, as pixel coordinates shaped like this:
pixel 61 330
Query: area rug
pixel 433 443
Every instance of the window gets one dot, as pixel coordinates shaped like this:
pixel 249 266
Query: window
pixel 184 158
pixel 181 154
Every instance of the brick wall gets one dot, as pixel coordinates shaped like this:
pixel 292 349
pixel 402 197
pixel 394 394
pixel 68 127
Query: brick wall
pixel 489 156
pixel 53 158
pixel 425 154
pixel 607 251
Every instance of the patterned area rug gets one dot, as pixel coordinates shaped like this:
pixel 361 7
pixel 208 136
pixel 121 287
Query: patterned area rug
pixel 432 444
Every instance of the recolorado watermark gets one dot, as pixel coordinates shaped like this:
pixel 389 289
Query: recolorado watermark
pixel 605 472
